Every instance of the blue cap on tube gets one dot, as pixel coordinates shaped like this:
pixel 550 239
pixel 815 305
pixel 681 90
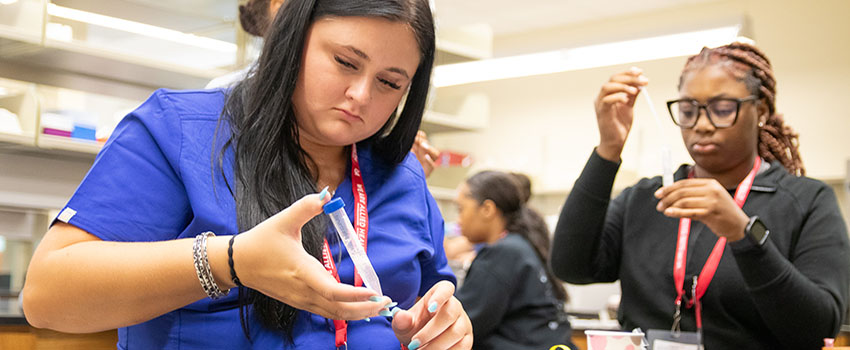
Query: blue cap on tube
pixel 333 205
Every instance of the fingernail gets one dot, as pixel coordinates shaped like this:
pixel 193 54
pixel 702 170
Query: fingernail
pixel 395 310
pixel 390 305
pixel 413 345
pixel 658 193
pixel 367 319
pixel 643 79
pixel 323 193
pixel 385 313
pixel 432 307
pixel 375 298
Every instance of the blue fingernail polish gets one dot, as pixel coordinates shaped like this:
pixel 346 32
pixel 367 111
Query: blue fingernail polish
pixel 395 310
pixel 391 305
pixel 375 298
pixel 413 345
pixel 323 193
pixel 432 307
pixel 385 313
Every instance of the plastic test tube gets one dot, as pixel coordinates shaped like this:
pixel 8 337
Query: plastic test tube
pixel 666 163
pixel 336 210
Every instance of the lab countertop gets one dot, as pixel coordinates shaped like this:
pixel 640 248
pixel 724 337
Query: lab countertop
pixel 10 312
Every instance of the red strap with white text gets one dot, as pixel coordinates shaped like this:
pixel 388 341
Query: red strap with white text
pixel 361 226
pixel 713 261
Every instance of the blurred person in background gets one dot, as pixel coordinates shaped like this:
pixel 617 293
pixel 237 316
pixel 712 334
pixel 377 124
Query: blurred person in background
pixel 512 298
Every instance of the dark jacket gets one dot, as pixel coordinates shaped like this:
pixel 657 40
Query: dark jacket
pixel 510 301
pixel 789 294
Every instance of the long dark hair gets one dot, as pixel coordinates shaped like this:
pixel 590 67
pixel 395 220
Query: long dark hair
pixel 750 65
pixel 506 192
pixel 272 171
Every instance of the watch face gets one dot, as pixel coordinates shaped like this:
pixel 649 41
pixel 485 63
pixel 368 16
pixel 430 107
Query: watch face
pixel 758 231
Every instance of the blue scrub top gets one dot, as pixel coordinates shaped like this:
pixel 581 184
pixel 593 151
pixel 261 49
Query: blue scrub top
pixel 153 181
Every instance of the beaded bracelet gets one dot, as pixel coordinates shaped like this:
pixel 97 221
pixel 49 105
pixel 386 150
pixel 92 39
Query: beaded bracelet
pixel 202 267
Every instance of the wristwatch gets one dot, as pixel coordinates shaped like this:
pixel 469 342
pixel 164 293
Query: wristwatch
pixel 756 232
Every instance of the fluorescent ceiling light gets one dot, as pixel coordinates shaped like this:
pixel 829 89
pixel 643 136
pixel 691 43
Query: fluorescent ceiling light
pixel 141 29
pixel 585 57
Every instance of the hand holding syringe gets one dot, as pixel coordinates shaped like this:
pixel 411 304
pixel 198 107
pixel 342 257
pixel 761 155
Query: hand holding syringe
pixel 666 163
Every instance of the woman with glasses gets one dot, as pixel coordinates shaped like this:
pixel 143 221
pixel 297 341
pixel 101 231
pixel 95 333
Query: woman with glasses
pixel 741 249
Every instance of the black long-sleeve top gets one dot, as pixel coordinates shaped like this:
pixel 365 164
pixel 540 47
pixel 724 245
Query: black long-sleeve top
pixel 510 301
pixel 788 294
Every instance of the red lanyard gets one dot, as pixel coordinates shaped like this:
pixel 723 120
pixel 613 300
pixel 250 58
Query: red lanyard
pixel 701 283
pixel 361 226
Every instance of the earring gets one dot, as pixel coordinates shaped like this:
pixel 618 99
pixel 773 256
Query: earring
pixel 761 124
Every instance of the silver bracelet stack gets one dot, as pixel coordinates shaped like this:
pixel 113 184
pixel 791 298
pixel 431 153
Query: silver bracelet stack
pixel 202 267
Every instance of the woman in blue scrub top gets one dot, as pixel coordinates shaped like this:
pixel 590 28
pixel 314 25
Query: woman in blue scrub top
pixel 250 160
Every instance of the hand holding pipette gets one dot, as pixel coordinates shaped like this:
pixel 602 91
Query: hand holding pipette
pixel 615 111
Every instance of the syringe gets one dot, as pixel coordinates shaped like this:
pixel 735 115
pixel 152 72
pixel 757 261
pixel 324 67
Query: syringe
pixel 666 163
pixel 336 210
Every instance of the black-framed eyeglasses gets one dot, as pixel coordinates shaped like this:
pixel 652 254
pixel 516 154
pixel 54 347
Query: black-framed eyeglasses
pixel 721 112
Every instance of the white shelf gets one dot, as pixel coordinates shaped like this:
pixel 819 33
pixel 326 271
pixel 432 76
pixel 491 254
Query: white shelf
pixel 436 122
pixel 13 139
pixel 833 181
pixel 21 20
pixel 468 43
pixel 60 143
pixel 20 99
pixel 9 38
pixel 85 60
pixel 442 193
pixel 101 52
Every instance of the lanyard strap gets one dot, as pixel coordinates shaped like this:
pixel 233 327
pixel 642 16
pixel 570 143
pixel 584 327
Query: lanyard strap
pixel 701 283
pixel 361 226
pixel 340 326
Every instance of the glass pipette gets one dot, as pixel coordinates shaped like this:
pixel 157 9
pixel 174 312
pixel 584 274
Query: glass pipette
pixel 666 163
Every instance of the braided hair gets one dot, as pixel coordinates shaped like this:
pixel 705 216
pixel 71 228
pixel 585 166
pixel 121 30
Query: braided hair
pixel 745 62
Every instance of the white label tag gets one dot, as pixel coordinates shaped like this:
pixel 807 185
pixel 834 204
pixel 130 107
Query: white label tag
pixel 66 215
pixel 667 340
pixel 669 345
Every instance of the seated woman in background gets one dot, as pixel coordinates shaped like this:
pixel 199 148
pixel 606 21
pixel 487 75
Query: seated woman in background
pixel 458 248
pixel 511 297
pixel 775 238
